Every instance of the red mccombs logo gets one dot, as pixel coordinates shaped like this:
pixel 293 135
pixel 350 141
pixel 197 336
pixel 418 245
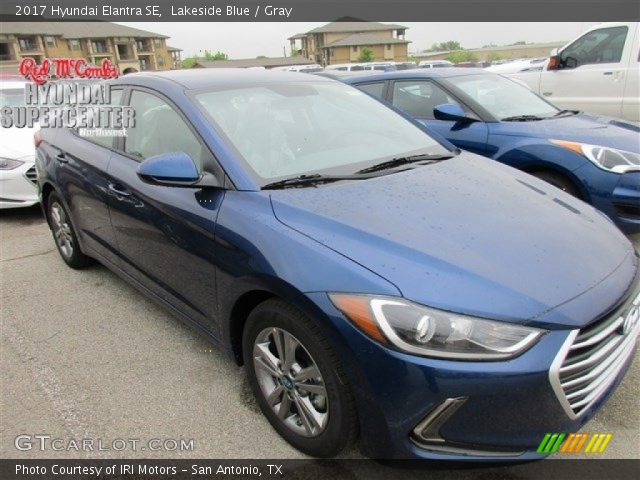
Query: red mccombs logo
pixel 65 68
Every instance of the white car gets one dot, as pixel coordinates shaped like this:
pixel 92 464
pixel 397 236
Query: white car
pixel 311 68
pixel 435 64
pixel 597 72
pixel 17 154
pixel 358 67
pixel 516 66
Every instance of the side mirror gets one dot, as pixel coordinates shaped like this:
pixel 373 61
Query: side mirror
pixel 451 111
pixel 175 169
pixel 554 63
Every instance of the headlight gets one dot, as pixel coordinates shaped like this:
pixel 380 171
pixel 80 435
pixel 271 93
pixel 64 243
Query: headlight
pixel 9 163
pixel 425 331
pixel 612 159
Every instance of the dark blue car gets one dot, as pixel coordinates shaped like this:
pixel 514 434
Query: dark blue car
pixel 593 158
pixel 375 282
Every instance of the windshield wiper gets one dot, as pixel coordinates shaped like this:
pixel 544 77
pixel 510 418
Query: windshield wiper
pixel 396 162
pixel 311 180
pixel 567 113
pixel 522 118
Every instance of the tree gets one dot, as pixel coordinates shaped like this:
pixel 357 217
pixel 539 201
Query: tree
pixel 366 55
pixel 189 62
pixel 462 56
pixel 212 57
pixel 261 56
pixel 445 46
pixel 294 53
pixel 494 56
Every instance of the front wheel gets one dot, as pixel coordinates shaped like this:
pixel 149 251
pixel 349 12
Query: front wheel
pixel 297 380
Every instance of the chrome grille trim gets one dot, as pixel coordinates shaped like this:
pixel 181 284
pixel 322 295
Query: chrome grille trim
pixel 591 358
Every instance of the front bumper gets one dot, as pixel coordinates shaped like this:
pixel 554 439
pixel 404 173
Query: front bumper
pixel 617 195
pixel 508 406
pixel 18 186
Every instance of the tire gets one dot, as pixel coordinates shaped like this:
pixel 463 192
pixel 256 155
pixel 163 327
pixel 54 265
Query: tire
pixel 559 181
pixel 335 416
pixel 64 235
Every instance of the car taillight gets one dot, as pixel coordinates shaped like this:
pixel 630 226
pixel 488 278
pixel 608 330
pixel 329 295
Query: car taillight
pixel 37 138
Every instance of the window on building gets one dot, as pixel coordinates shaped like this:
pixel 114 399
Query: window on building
pixel 50 41
pixel 160 60
pixel 99 46
pixel 419 97
pixel 355 48
pixel 28 44
pixel 388 46
pixel 6 52
pixel 74 44
pixel 159 129
pixel 157 42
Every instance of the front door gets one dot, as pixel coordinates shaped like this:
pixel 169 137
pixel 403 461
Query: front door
pixel 166 235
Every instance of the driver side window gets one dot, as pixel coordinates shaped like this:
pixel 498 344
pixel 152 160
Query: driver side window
pixel 599 46
pixel 159 129
pixel 418 98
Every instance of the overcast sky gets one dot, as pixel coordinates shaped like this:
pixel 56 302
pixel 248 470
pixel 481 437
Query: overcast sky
pixel 248 40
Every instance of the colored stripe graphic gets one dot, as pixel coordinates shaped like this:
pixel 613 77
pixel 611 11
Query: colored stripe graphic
pixel 574 442
pixel 551 442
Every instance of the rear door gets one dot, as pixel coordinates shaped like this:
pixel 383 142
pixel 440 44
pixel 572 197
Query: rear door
pixel 83 180
pixel 593 73
pixel 419 97
pixel 166 235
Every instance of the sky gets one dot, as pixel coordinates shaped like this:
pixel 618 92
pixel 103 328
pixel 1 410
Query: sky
pixel 248 40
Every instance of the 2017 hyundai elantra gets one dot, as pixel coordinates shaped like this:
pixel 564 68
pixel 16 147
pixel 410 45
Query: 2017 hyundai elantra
pixel 371 279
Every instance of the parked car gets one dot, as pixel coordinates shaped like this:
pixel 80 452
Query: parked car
pixel 593 158
pixel 371 278
pixel 435 64
pixel 520 65
pixel 311 68
pixel 17 168
pixel 598 72
pixel 354 67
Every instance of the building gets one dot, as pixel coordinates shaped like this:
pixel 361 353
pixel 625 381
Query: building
pixel 343 42
pixel 176 56
pixel 130 48
pixel 488 54
pixel 254 62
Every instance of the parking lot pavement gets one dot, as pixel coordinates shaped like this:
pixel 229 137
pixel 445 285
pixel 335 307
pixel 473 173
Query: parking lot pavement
pixel 84 355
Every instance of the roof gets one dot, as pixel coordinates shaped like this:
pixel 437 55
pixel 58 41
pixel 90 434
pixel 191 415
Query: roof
pixel 529 46
pixel 356 77
pixel 338 27
pixel 297 35
pixel 76 29
pixel 173 49
pixel 201 78
pixel 256 62
pixel 364 39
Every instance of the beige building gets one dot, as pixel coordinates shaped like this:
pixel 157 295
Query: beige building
pixel 343 42
pixel 130 48
pixel 488 54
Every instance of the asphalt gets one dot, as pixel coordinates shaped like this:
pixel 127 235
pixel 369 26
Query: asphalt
pixel 84 355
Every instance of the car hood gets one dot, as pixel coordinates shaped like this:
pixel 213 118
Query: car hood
pixel 17 143
pixel 583 128
pixel 470 236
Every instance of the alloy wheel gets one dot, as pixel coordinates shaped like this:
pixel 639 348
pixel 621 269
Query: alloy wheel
pixel 291 382
pixel 61 230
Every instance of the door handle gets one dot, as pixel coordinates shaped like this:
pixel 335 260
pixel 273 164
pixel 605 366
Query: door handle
pixel 607 73
pixel 119 190
pixel 62 158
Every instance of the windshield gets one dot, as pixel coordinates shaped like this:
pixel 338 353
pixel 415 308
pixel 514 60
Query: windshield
pixel 501 97
pixel 282 130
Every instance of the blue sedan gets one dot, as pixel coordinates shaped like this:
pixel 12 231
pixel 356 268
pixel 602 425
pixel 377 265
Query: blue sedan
pixel 593 158
pixel 374 281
